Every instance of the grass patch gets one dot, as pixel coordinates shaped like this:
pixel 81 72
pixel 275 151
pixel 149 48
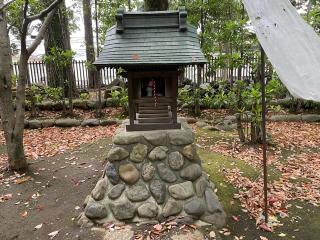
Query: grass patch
pixel 3 149
pixel 214 164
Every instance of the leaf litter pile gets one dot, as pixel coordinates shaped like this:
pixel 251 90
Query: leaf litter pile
pixel 299 170
pixel 172 224
pixel 49 142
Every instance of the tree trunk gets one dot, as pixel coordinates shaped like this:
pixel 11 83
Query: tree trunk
pixel 58 36
pixel 12 122
pixel 87 17
pixel 156 5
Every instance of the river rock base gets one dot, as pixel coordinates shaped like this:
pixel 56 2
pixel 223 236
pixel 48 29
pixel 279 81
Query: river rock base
pixel 151 176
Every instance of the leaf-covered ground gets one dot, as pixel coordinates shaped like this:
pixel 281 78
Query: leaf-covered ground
pixel 51 141
pixel 294 179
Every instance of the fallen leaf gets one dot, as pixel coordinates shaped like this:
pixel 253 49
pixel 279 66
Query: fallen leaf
pixel 38 226
pixel 53 234
pixel 212 234
pixel 235 218
pixel 24 214
pixel 263 238
pixel 282 235
pixel 265 227
pixel 22 180
pixel 158 227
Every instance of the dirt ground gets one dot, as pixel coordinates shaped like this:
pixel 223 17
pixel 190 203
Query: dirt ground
pixel 59 184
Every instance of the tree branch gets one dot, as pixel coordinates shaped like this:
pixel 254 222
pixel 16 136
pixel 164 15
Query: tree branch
pixel 41 33
pixel 4 5
pixel 45 12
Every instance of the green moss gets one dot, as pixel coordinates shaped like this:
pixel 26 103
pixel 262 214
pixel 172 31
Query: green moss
pixel 214 164
pixel 2 149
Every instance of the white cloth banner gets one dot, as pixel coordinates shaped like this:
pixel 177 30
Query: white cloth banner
pixel 293 47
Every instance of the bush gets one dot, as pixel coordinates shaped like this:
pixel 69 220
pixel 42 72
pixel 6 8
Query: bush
pixel 54 94
pixel 84 96
pixel 120 98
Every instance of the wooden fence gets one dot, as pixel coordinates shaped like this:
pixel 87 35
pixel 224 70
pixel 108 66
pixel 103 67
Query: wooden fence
pixel 38 73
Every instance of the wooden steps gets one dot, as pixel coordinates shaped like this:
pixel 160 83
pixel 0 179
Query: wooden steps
pixel 153 115
pixel 153 108
pixel 154 120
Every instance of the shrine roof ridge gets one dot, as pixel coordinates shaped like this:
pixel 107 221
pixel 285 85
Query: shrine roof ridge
pixel 151 38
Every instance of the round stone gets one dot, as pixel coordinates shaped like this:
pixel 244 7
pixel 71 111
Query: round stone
pixel 126 138
pixel 116 191
pixel 201 124
pixel 96 210
pixel 192 172
pixel 175 160
pixel 158 153
pixel 156 139
pixel 148 171
pixel 129 173
pixel 217 219
pixel 148 210
pixel 117 154
pixel 194 207
pixel 200 186
pixel 158 191
pixel 181 137
pixel 181 191
pixel 112 173
pixel 138 192
pixel 123 210
pixel 100 189
pixel 172 208
pixel 213 204
pixel 165 173
pixel 189 152
pixel 139 153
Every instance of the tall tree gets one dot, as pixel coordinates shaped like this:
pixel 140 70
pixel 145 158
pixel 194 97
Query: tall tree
pixel 58 36
pixel 156 5
pixel 6 111
pixel 88 36
pixel 13 114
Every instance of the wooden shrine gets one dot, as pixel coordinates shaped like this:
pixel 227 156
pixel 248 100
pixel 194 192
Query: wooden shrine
pixel 151 47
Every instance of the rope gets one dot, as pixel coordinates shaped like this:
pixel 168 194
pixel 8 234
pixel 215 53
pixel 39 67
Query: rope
pixel 154 93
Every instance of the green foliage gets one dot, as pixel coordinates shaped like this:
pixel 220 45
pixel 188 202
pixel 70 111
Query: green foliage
pixel 14 80
pixel 15 13
pixel 60 60
pixel 59 57
pixel 313 16
pixel 36 94
pixel 54 94
pixel 120 97
pixel 84 96
pixel 185 96
pixel 107 10
pixel 90 66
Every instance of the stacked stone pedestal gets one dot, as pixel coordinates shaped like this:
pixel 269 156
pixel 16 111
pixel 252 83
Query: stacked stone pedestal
pixel 151 176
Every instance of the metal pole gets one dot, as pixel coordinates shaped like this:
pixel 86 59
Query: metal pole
pixel 264 138
pixel 97 26
pixel 98 80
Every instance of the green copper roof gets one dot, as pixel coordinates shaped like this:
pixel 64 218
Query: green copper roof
pixel 151 38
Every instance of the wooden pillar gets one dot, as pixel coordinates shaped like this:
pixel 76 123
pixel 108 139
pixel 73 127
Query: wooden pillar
pixel 131 103
pixel 175 96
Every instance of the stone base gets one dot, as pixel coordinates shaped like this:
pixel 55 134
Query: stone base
pixel 151 176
